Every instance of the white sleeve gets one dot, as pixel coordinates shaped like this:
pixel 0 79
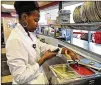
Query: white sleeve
pixel 44 47
pixel 18 62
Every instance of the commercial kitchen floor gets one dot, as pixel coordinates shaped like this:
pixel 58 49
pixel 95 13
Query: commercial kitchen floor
pixel 5 73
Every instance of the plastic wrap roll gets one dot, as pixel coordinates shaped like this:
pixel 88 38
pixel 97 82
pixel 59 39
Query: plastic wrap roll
pixel 77 15
pixel 91 12
pixel 83 13
pixel 98 6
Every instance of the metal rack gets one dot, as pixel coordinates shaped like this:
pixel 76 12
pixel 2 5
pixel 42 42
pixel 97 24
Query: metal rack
pixel 81 26
pixel 89 26
pixel 93 26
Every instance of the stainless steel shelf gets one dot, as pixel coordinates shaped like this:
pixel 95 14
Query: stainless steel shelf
pixel 93 26
pixel 82 26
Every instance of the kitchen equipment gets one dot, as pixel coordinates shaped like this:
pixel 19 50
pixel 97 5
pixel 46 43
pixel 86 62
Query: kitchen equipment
pixel 76 79
pixel 63 71
pixel 82 70
pixel 56 50
pixel 90 63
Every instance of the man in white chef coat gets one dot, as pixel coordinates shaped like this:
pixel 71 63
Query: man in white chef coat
pixel 23 48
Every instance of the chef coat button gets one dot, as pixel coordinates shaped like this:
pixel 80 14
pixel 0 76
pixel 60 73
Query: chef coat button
pixel 34 46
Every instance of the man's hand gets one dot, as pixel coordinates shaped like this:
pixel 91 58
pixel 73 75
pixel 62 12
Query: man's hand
pixel 72 54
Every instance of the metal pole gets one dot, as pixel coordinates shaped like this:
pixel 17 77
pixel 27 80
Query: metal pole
pixel 71 36
pixel 60 5
pixel 89 38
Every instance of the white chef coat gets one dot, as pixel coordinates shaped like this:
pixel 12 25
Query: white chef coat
pixel 23 58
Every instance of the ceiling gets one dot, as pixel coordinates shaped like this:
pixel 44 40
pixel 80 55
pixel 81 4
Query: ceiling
pixel 41 3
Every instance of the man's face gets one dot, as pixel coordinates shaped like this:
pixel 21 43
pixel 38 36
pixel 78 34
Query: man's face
pixel 32 20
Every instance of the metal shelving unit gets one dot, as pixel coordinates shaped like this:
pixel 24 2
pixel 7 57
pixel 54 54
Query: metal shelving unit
pixel 93 26
pixel 89 26
pixel 81 26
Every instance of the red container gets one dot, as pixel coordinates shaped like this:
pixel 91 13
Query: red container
pixel 98 41
pixel 82 70
pixel 97 37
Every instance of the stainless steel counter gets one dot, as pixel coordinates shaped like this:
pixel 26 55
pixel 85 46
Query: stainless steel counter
pixel 53 61
pixel 53 79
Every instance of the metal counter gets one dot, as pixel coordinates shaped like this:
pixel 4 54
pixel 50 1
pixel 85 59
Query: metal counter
pixel 80 80
pixel 53 79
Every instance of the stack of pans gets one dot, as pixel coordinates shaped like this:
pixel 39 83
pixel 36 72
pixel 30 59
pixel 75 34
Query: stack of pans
pixel 88 12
